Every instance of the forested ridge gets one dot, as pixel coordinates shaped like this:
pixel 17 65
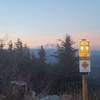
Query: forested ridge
pixel 17 62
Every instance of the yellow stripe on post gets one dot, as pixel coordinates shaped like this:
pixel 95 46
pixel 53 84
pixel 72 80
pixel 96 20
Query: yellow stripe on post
pixel 84 49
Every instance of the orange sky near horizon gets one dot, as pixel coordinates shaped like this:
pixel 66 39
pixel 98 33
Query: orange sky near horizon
pixel 44 40
pixel 35 41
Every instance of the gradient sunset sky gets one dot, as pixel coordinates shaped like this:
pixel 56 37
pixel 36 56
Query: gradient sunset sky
pixel 39 22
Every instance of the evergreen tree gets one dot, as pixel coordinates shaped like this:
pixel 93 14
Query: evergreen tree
pixel 2 44
pixel 67 58
pixel 41 68
pixel 10 45
pixel 42 55
pixel 67 72
pixel 19 44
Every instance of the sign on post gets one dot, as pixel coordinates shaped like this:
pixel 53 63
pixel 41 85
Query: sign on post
pixel 84 63
pixel 85 66
pixel 84 53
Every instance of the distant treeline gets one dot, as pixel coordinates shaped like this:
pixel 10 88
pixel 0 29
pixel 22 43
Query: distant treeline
pixel 18 63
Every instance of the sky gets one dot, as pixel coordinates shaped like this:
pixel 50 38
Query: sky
pixel 41 22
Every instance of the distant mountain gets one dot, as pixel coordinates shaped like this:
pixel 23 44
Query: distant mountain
pixel 95 56
pixel 94 75
pixel 49 55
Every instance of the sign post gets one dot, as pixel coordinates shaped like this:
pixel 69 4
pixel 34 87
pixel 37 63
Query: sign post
pixel 84 65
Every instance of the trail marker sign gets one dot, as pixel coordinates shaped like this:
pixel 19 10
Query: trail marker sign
pixel 84 66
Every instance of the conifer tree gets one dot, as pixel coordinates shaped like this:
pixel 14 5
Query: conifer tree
pixel 67 67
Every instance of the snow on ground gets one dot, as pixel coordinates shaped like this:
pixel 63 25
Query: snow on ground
pixel 51 97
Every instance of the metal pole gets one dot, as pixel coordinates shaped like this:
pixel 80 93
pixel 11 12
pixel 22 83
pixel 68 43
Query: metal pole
pixel 84 87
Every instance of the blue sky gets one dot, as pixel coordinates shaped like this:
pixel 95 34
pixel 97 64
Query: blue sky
pixel 44 21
